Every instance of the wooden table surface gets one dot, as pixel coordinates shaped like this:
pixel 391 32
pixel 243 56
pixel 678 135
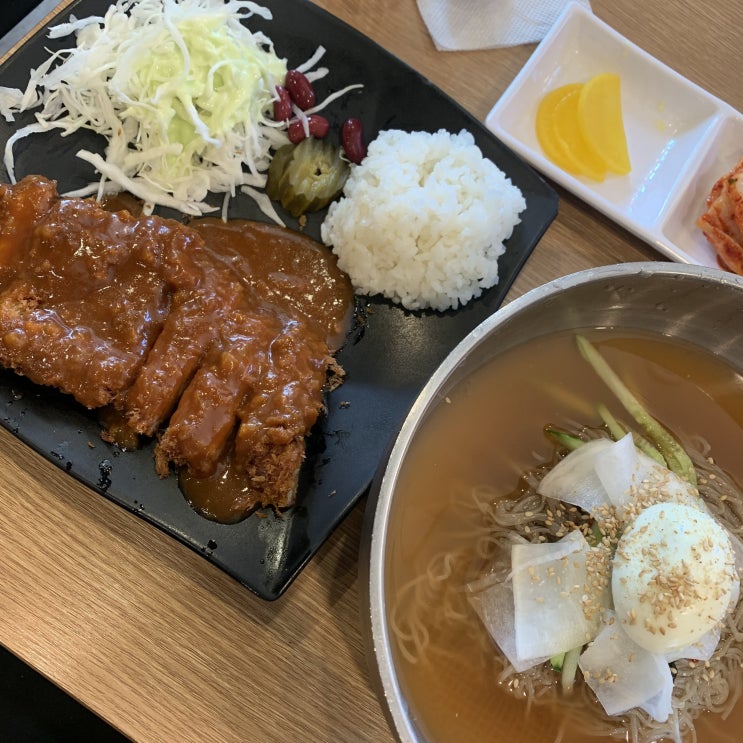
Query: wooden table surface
pixel 162 644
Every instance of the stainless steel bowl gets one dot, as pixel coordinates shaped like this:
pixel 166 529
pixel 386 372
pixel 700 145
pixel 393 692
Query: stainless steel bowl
pixel 697 304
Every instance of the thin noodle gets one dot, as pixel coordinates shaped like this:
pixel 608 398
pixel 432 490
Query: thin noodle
pixel 436 599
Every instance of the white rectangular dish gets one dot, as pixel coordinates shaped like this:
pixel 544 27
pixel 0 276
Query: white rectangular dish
pixel 681 139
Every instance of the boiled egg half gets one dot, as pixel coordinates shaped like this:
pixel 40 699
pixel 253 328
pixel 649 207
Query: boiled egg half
pixel 674 577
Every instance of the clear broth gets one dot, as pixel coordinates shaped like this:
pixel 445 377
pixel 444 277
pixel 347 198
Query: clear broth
pixel 489 430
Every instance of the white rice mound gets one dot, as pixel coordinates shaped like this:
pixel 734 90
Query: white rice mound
pixel 423 219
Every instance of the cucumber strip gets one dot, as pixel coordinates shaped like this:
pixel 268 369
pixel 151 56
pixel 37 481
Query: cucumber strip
pixel 617 431
pixel 568 440
pixel 646 447
pixel 556 661
pixel 596 536
pixel 678 460
pixel 569 669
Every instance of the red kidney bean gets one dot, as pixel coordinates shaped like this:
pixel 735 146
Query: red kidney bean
pixel 317 125
pixel 352 140
pixel 282 108
pixel 300 89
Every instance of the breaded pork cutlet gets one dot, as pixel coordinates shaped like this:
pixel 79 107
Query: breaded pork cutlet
pixel 139 315
pixel 275 420
pixel 84 294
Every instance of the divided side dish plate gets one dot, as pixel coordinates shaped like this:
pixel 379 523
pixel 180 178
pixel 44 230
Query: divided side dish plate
pixel 681 138
pixel 387 358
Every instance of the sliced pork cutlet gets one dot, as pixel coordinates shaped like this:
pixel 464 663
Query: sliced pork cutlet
pixel 21 207
pixel 200 430
pixel 275 420
pixel 195 323
pixel 83 304
pixel 138 312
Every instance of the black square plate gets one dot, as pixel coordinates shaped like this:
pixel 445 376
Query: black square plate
pixel 387 360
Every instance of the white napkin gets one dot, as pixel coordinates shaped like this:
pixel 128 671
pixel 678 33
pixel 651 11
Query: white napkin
pixel 457 25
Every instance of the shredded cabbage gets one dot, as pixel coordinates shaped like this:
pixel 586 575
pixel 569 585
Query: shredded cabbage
pixel 182 91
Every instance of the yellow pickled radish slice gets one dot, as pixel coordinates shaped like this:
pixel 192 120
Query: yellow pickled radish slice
pixel 545 126
pixel 569 137
pixel 601 124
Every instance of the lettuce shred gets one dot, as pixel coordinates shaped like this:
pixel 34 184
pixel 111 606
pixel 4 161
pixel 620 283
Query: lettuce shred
pixel 181 90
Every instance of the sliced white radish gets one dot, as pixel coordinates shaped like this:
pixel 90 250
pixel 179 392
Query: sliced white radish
pixel 702 649
pixel 602 474
pixel 660 706
pixel 619 469
pixel 573 480
pixel 527 555
pixel 556 606
pixel 624 676
pixel 493 601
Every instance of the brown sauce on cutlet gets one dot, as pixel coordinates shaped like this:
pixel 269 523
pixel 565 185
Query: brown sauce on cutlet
pixel 85 292
pixel 287 269
pixel 307 305
pixel 216 338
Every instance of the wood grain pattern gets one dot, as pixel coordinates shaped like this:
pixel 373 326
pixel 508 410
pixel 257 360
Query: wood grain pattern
pixel 162 644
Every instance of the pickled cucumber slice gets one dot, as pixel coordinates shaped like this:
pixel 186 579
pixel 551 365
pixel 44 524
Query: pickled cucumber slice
pixel 306 177
pixel 276 169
